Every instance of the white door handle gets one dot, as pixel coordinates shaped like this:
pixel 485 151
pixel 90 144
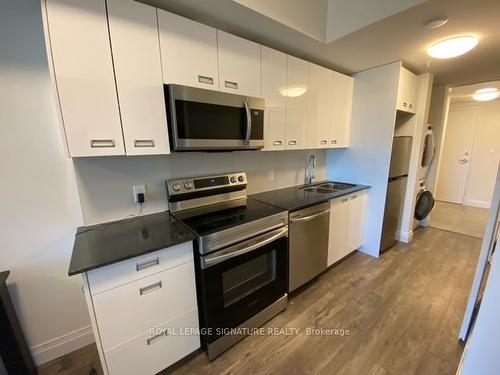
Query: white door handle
pixel 463 161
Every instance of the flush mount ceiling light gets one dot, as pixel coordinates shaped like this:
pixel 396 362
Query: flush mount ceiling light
pixel 484 95
pixel 452 47
pixel 293 91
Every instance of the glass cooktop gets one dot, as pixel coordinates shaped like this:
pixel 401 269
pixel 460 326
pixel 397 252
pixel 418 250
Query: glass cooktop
pixel 216 218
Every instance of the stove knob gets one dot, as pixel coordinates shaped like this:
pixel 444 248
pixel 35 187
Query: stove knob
pixel 233 179
pixel 188 185
pixel 176 187
pixel 241 178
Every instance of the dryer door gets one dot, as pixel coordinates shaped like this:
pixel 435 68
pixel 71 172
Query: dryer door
pixel 425 204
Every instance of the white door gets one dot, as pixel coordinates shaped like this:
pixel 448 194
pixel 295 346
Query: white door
pixel 239 65
pixel 357 207
pixel 188 52
pixel 341 108
pixel 136 54
pixel 456 155
pixel 296 93
pixel 83 68
pixel 273 84
pixel 318 109
pixel 339 221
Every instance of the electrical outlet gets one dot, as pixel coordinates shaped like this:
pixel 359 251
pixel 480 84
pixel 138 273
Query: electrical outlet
pixel 270 175
pixel 138 189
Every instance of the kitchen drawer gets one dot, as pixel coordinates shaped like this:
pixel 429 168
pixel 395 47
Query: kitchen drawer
pixel 128 310
pixel 133 269
pixel 137 356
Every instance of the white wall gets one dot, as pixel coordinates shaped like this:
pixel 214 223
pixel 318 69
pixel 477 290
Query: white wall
pixel 105 184
pixel 367 160
pixel 40 208
pixel 485 152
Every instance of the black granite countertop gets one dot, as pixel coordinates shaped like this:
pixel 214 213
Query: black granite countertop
pixel 103 244
pixel 295 198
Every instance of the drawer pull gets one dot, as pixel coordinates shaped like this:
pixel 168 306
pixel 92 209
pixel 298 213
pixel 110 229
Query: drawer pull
pixel 102 143
pixel 148 264
pixel 277 143
pixel 324 142
pixel 205 79
pixel 157 337
pixel 292 143
pixel 231 85
pixel 334 141
pixel 150 288
pixel 144 143
pixel 354 197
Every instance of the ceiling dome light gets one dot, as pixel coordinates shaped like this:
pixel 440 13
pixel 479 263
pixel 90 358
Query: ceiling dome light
pixel 452 47
pixel 484 95
pixel 293 91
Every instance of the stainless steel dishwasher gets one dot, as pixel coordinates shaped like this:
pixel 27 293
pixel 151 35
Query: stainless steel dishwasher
pixel 309 230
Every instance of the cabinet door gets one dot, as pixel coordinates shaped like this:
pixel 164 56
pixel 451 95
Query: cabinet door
pixel 239 65
pixel 341 110
pixel 406 91
pixel 339 221
pixel 296 103
pixel 273 90
pixel 356 226
pixel 83 69
pixel 188 52
pixel 136 54
pixel 318 109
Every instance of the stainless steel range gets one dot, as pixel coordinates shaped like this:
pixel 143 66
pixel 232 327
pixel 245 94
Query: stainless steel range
pixel 241 252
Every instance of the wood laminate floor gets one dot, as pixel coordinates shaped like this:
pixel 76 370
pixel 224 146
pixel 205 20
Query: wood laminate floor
pixel 459 218
pixel 403 312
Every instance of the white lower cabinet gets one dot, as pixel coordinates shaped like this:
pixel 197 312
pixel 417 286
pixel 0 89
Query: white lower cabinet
pixel 146 319
pixel 347 217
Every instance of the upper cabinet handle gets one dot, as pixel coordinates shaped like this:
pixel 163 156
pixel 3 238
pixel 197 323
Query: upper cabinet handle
pixel 277 143
pixel 405 104
pixel 231 85
pixel 324 142
pixel 205 79
pixel 144 143
pixel 334 141
pixel 292 143
pixel 102 143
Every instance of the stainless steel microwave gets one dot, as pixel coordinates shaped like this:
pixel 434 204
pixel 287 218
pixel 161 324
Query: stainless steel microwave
pixel 207 120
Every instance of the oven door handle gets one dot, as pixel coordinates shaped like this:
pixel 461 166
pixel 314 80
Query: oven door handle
pixel 249 123
pixel 211 260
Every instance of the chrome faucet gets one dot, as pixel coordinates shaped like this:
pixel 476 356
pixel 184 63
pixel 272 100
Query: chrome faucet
pixel 310 169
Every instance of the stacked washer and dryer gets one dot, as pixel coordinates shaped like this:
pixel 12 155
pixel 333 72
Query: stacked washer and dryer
pixel 425 200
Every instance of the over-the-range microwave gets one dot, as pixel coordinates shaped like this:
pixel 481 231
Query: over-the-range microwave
pixel 207 120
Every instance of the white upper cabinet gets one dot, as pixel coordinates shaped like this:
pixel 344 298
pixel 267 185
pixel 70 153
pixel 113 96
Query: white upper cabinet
pixel 407 91
pixel 341 110
pixel 239 65
pixel 136 53
pixel 297 91
pixel 273 91
pixel 188 51
pixel 83 70
pixel 318 109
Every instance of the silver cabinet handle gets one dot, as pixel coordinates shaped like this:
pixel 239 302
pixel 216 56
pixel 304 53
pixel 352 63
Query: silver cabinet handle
pixel 236 250
pixel 334 142
pixel 411 105
pixel 292 143
pixel 324 142
pixel 150 288
pixel 148 264
pixel 249 123
pixel 157 337
pixel 231 85
pixel 277 143
pixel 344 200
pixel 102 143
pixel 405 104
pixel 354 197
pixel 144 143
pixel 206 80
pixel 311 217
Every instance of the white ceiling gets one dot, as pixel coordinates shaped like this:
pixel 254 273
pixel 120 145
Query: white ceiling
pixel 398 37
pixel 464 93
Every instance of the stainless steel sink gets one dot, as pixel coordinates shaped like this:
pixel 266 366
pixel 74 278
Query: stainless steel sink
pixel 328 187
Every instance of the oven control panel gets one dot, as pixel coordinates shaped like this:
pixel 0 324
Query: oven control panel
pixel 194 184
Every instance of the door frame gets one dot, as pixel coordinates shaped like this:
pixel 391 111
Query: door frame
pixel 443 138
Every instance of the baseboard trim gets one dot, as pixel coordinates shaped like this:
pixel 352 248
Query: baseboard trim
pixel 477 203
pixel 405 236
pixel 62 345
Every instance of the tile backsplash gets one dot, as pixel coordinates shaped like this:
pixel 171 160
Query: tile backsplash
pixel 105 184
